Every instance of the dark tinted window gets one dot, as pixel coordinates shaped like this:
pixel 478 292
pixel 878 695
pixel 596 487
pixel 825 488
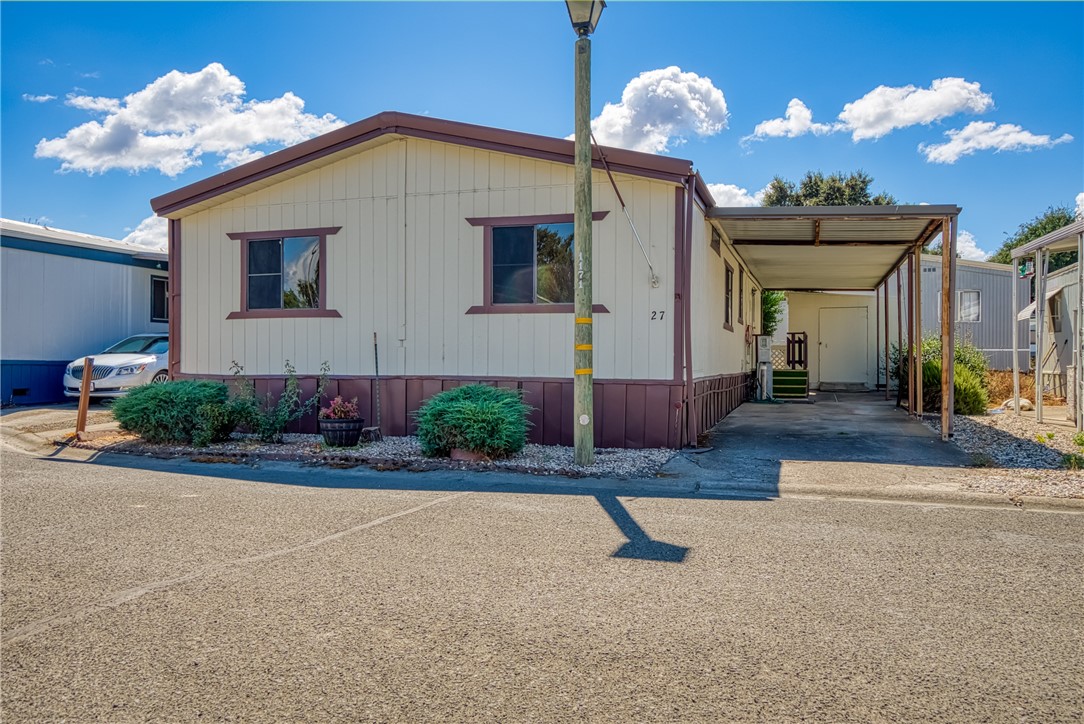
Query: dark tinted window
pixel 159 299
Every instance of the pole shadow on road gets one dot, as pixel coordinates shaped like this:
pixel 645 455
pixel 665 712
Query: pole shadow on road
pixel 639 545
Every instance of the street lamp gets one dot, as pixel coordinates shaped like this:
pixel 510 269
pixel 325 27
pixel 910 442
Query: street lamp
pixel 584 15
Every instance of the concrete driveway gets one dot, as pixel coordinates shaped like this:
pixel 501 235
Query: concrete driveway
pixel 840 441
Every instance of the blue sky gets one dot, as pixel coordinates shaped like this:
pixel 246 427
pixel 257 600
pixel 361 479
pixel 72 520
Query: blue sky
pixel 980 104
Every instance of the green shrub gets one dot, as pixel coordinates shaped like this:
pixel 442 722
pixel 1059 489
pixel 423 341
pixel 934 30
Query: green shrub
pixel 217 420
pixel 168 412
pixel 966 356
pixel 268 417
pixel 483 419
pixel 969 394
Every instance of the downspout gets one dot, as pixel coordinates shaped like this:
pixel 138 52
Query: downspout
pixel 686 293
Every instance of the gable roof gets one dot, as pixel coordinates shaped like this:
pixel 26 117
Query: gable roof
pixel 392 124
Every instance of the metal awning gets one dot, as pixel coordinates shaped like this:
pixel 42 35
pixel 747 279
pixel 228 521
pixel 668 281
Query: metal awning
pixel 1063 239
pixel 795 248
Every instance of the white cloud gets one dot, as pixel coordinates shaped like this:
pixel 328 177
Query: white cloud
pixel 798 122
pixel 732 195
pixel 886 108
pixel 151 233
pixel 236 158
pixel 1080 205
pixel 968 248
pixel 178 118
pixel 986 136
pixel 44 98
pixel 94 104
pixel 659 108
pixel 91 74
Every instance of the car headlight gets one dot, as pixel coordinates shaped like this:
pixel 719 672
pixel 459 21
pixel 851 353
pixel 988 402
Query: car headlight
pixel 132 369
pixel 68 370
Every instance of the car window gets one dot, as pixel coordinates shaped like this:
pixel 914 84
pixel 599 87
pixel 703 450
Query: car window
pixel 136 345
pixel 160 346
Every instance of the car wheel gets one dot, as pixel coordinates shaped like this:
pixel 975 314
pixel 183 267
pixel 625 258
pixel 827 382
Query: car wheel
pixel 160 376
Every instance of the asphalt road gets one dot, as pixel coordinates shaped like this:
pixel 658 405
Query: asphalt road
pixel 176 592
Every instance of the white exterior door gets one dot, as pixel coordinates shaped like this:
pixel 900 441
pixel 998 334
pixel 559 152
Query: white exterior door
pixel 844 345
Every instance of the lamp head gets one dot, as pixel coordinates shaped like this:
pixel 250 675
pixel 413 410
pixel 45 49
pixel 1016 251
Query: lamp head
pixel 584 15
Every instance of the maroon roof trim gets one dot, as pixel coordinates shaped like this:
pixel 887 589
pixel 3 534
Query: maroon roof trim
pixel 390 122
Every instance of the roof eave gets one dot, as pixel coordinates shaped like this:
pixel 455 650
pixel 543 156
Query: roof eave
pixel 405 124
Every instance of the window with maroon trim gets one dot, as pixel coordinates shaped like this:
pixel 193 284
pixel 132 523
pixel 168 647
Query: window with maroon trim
pixel 741 295
pixel 529 266
pixel 283 273
pixel 728 314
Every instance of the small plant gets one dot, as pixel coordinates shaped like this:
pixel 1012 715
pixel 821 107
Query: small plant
pixel 1073 461
pixel 340 409
pixel 174 411
pixel 1045 438
pixel 479 418
pixel 268 417
pixel 1078 439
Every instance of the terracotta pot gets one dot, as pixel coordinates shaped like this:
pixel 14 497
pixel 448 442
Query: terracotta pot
pixel 341 433
pixel 458 453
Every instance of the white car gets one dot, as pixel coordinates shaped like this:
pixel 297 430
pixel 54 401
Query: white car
pixel 129 363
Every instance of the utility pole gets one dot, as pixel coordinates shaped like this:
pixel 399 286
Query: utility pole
pixel 584 16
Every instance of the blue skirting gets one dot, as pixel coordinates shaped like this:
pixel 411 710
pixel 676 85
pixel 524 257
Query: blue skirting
pixel 32 382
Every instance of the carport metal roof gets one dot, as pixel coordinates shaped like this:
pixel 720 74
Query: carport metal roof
pixel 799 248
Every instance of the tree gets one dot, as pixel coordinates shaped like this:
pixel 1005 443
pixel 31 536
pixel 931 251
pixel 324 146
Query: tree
pixel 1052 219
pixel 816 189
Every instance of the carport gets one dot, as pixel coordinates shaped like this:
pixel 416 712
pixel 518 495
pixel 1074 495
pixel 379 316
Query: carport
pixel 1067 238
pixel 856 248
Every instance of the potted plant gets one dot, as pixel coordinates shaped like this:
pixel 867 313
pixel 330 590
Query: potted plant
pixel 341 423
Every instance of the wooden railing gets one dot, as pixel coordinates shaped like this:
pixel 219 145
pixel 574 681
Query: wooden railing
pixel 797 350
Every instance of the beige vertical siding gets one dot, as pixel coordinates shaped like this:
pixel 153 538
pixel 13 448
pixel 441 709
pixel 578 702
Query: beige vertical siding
pixel 407 265
pixel 804 316
pixel 716 350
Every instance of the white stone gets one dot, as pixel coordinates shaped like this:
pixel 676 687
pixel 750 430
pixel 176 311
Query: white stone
pixel 1025 404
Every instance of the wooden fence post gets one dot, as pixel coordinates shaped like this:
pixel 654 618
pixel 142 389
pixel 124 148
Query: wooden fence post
pixel 84 397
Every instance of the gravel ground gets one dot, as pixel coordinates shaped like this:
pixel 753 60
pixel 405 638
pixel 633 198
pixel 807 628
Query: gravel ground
pixel 399 452
pixel 1018 463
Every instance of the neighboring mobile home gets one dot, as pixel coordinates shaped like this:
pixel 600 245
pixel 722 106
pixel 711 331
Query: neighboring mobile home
pixel 67 294
pixel 452 244
pixel 983 306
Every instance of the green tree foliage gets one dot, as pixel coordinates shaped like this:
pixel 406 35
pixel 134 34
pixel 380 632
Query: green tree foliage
pixel 816 189
pixel 771 311
pixel 1052 219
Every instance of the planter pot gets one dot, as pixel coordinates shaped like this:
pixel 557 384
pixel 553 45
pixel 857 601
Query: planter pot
pixel 342 433
pixel 469 456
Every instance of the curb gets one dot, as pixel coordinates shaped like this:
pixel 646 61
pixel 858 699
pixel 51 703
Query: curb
pixel 912 494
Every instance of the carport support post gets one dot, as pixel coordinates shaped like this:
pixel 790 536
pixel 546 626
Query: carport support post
pixel 911 333
pixel 886 337
pixel 948 253
pixel 1015 340
pixel 1078 332
pixel 1040 324
pixel 899 334
pixel 918 330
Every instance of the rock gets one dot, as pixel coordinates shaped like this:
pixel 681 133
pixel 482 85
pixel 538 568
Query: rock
pixel 1025 404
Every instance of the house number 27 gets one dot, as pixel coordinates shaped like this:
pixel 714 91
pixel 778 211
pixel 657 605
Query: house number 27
pixel 657 314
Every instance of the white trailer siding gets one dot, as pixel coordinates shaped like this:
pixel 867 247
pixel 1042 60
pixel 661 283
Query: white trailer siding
pixel 408 265
pixel 716 349
pixel 59 301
